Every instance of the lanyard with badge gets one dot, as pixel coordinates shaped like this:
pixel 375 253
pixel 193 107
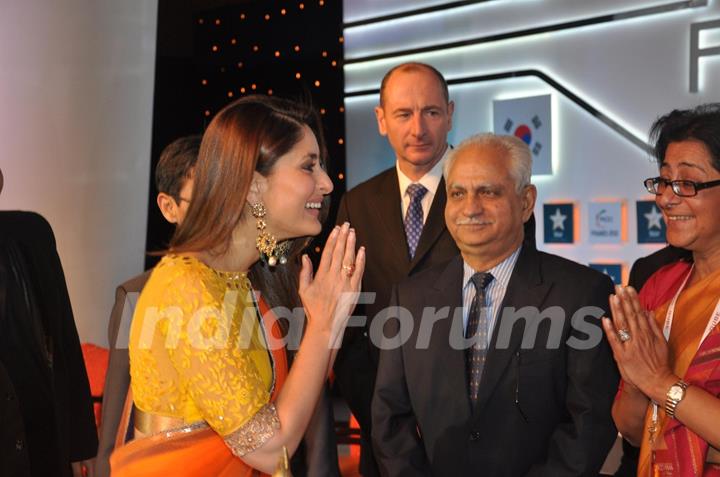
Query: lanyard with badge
pixel 712 323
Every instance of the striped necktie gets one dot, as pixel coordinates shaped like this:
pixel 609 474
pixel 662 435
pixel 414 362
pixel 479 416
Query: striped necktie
pixel 477 325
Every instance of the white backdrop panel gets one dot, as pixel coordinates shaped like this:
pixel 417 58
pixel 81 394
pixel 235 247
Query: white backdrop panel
pixel 76 97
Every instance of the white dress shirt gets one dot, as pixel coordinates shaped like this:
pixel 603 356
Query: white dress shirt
pixel 431 181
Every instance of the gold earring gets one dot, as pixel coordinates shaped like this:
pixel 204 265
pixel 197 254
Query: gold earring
pixel 267 244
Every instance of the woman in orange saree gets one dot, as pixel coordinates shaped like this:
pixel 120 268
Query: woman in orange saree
pixel 212 392
pixel 666 340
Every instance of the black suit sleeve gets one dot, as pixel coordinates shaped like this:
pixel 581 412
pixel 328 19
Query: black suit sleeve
pixel 79 419
pixel 579 446
pixel 398 447
pixel 354 370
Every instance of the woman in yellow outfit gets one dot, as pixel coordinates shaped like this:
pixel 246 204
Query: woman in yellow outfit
pixel 213 396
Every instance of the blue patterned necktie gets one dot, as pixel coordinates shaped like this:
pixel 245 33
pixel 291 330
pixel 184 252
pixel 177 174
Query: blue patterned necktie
pixel 477 324
pixel 414 216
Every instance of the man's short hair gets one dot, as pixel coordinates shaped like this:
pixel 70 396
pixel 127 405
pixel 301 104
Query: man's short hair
pixel 175 165
pixel 410 67
pixel 516 149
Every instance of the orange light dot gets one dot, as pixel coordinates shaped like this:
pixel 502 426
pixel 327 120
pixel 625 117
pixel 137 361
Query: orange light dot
pixel 321 2
pixel 217 21
pixel 214 48
pixel 302 6
pixel 334 63
pixel 233 41
pixel 253 86
pixel 207 112
pixel 267 16
pixel 230 94
pixel 256 48
pixel 270 92
pixel 324 53
pixel 341 109
pixel 240 64
pixel 277 54
pixel 317 83
pixel 242 90
pixel 341 141
pixel 201 21
pixel 297 48
pixel 341 176
pixel 298 75
pixel 322 110
pixel 317 249
pixel 242 16
pixel 341 39
pixel 283 11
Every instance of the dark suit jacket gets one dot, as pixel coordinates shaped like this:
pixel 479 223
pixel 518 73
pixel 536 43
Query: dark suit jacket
pixel 373 208
pixel 43 368
pixel 540 412
pixel 317 455
pixel 117 379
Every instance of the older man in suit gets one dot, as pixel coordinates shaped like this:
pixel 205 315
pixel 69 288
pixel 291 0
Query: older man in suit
pixel 502 369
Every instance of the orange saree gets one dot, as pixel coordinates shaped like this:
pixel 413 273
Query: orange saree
pixel 677 451
pixel 196 451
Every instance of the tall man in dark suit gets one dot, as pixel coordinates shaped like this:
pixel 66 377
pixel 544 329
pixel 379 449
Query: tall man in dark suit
pixel 397 216
pixel 502 369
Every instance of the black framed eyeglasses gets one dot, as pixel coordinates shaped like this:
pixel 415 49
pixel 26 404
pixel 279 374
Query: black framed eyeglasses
pixel 681 188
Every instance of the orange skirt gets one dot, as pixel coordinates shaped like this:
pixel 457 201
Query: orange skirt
pixel 181 453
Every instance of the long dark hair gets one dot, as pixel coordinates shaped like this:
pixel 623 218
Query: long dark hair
pixel 248 135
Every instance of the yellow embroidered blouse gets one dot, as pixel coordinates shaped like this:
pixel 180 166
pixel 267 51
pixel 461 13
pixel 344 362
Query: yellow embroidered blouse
pixel 197 347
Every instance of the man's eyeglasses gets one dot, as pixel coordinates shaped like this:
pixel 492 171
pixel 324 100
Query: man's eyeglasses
pixel 681 188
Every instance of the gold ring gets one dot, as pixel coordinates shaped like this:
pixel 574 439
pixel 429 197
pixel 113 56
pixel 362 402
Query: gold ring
pixel 349 270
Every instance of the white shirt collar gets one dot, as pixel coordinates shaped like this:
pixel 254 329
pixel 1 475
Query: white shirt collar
pixel 431 179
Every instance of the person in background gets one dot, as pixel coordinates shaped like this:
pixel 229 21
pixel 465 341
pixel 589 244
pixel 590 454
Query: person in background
pixel 666 340
pixel 174 183
pixel 48 424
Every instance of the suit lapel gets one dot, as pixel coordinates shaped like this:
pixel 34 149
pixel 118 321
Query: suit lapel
pixel 526 288
pixel 434 226
pixel 449 363
pixel 387 209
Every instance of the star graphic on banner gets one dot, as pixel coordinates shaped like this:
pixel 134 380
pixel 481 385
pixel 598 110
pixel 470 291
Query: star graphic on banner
pixel 558 220
pixel 653 217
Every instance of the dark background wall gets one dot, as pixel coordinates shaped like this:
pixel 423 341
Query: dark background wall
pixel 212 52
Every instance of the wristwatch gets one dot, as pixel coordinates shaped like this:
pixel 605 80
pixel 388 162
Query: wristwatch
pixel 675 394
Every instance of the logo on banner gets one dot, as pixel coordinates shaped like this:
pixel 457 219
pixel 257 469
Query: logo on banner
pixel 529 119
pixel 650 223
pixel 613 270
pixel 605 222
pixel 559 223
